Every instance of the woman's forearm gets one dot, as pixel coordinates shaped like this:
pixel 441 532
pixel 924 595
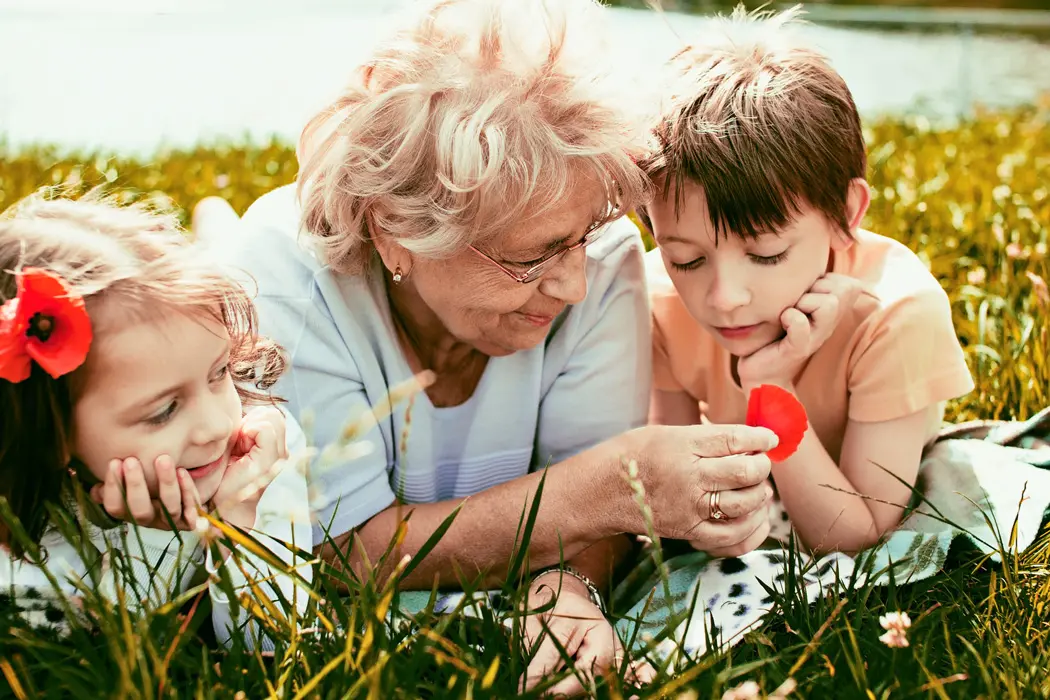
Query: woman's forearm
pixel 582 503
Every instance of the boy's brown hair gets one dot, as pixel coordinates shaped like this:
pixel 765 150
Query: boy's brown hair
pixel 762 122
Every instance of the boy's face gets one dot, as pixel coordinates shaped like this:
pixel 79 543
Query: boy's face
pixel 738 289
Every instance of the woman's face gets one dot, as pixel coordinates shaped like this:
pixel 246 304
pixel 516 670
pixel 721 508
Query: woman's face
pixel 479 304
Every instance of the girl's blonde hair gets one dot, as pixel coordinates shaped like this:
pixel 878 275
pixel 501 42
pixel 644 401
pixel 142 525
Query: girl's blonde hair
pixel 476 117
pixel 134 264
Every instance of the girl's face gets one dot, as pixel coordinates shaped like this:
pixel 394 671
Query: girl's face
pixel 160 388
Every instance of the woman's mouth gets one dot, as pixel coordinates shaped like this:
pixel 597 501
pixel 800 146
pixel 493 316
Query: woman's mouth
pixel 540 321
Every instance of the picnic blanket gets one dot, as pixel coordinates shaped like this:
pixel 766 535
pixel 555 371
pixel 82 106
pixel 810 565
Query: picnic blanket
pixel 986 481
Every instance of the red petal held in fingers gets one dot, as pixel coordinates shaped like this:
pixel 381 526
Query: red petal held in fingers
pixel 775 408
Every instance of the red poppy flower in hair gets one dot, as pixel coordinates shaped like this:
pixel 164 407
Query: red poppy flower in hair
pixel 45 323
pixel 773 407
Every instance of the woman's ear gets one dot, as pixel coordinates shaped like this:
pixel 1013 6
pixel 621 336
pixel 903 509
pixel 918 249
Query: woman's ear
pixel 394 256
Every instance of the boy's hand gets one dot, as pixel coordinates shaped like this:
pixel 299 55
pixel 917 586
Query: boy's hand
pixel 808 324
pixel 260 446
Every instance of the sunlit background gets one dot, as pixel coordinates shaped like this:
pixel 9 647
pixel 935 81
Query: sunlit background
pixel 129 75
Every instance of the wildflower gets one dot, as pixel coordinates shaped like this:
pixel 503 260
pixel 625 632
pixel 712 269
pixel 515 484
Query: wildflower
pixel 744 691
pixel 1039 287
pixel 1014 250
pixel 894 639
pixel 976 276
pixel 896 625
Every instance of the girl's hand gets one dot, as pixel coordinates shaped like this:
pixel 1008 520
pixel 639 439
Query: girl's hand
pixel 126 494
pixel 260 446
pixel 581 629
pixel 808 324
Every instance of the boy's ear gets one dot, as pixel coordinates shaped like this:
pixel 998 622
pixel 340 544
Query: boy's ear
pixel 858 198
pixel 857 201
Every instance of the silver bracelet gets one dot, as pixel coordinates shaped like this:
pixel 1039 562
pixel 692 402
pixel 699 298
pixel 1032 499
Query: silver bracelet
pixel 592 589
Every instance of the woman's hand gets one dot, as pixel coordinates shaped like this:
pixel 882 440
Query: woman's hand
pixel 147 495
pixel 680 467
pixel 580 629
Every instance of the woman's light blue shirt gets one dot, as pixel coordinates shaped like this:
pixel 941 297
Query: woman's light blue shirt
pixel 587 382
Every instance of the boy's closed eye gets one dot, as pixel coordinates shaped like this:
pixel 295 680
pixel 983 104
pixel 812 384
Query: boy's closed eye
pixel 771 259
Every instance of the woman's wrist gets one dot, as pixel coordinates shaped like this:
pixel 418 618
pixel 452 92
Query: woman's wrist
pixel 621 474
pixel 563 578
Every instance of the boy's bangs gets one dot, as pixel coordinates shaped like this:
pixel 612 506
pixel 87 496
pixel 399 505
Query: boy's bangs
pixel 744 197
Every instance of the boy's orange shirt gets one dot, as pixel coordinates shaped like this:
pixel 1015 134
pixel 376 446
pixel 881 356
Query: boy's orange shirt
pixel 893 354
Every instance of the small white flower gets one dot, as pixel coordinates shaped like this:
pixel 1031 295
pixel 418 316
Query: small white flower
pixel 745 691
pixel 895 621
pixel 895 639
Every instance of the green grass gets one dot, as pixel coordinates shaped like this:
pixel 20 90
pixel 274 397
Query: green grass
pixel 972 200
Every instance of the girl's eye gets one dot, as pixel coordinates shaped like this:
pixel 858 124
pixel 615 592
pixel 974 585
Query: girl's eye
pixel 165 414
pixel 686 267
pixel 769 259
pixel 221 374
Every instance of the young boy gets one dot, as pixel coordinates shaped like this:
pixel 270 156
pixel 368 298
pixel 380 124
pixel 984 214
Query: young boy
pixel 763 276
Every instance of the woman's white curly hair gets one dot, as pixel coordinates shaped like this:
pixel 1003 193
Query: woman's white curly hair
pixel 476 117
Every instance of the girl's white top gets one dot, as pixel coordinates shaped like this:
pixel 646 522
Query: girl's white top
pixel 158 564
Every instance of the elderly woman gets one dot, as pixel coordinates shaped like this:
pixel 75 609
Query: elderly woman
pixel 460 209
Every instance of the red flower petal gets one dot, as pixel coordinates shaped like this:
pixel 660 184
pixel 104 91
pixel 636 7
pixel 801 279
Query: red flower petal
pixel 15 364
pixel 66 348
pixel 775 408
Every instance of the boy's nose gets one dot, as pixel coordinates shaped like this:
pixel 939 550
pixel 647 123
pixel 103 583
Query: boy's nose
pixel 727 294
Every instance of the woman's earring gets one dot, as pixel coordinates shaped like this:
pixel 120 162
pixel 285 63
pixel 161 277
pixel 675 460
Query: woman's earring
pixel 398 276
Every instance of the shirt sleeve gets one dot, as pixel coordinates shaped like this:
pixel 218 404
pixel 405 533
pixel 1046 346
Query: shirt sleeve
pixel 908 358
pixel 324 385
pixel 283 526
pixel 602 387
pixel 134 568
pixel 325 390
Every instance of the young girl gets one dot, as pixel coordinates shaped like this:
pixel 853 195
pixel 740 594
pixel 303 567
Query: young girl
pixel 125 362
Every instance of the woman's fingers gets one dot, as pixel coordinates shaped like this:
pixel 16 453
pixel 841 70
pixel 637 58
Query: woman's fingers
pixel 547 660
pixel 732 472
pixel 714 440
pixel 736 503
pixel 711 535
pixel 749 544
